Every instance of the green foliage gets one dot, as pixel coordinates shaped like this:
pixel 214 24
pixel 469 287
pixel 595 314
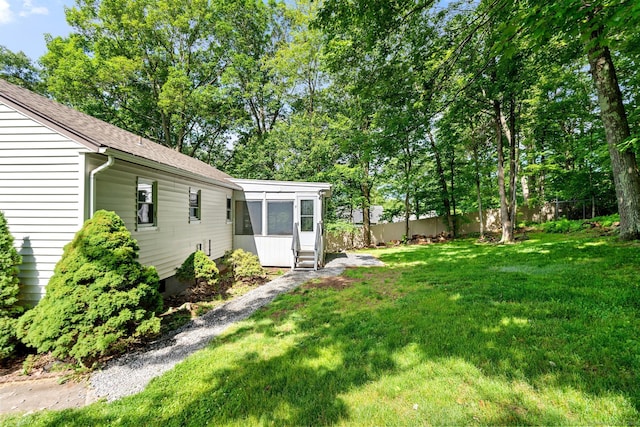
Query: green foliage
pixel 8 339
pixel 9 262
pixel 9 289
pixel 340 227
pixel 565 225
pixel 607 221
pixel 562 225
pixel 100 297
pixel 198 268
pixel 117 51
pixel 245 265
pixel 17 68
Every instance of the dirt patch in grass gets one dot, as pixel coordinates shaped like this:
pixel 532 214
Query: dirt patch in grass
pixel 336 282
pixel 280 314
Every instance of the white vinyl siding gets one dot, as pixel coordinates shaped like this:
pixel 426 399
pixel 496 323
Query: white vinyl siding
pixel 173 238
pixel 40 195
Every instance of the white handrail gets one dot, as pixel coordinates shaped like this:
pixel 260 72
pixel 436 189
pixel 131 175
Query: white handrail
pixel 295 245
pixel 318 246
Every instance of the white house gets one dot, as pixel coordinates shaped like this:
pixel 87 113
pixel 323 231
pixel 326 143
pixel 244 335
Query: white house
pixel 58 166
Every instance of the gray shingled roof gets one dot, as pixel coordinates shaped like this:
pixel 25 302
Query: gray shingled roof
pixel 96 134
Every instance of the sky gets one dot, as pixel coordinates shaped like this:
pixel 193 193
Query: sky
pixel 23 24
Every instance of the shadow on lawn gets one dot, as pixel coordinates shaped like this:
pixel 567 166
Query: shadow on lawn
pixel 526 322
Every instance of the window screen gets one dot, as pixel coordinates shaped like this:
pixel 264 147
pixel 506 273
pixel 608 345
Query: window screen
pixel 280 218
pixel 248 217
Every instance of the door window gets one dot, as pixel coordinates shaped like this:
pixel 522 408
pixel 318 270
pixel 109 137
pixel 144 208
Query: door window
pixel 306 215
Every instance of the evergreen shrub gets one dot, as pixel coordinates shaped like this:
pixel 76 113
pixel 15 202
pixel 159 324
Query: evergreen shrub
pixel 245 265
pixel 198 268
pixel 100 298
pixel 9 289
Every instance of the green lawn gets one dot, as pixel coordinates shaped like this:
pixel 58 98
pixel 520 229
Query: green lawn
pixel 541 332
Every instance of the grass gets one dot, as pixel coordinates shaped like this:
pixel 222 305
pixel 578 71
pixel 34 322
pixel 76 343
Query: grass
pixel 541 332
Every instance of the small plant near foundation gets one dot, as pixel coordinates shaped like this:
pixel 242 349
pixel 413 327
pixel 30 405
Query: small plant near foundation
pixel 198 268
pixel 245 266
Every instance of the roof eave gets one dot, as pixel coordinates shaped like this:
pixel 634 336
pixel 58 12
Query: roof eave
pixel 121 155
pixel 324 186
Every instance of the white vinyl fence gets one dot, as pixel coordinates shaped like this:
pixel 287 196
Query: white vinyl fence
pixel 468 223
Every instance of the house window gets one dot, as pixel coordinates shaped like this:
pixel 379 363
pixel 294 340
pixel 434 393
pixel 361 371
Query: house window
pixel 228 209
pixel 195 201
pixel 147 196
pixel 280 218
pixel 248 217
pixel 306 215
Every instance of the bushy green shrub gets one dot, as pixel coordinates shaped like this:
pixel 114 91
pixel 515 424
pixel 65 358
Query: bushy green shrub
pixel 8 339
pixel 245 265
pixel 100 297
pixel 198 268
pixel 9 289
pixel 562 226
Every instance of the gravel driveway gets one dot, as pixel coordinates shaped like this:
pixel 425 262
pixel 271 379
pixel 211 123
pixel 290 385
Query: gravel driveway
pixel 131 373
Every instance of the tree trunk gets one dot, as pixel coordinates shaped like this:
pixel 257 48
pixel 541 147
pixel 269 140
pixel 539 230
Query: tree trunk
pixel 408 167
pixel 454 231
pixel 513 162
pixel 476 158
pixel 614 118
pixel 505 214
pixel 366 203
pixel 407 210
pixel 443 182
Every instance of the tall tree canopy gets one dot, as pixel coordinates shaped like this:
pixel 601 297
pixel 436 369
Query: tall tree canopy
pixel 151 66
pixel 422 106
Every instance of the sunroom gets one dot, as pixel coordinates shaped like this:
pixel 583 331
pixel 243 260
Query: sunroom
pixel 282 222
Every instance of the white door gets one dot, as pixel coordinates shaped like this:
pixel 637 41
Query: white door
pixel 307 220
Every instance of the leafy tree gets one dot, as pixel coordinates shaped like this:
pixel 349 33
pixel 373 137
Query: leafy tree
pixel 599 25
pixel 150 66
pixel 9 289
pixel 18 69
pixel 100 297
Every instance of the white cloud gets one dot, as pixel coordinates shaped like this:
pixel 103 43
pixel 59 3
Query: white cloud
pixel 29 9
pixel 6 15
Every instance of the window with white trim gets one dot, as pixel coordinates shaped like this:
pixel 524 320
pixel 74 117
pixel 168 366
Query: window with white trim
pixel 280 218
pixel 229 209
pixel 195 204
pixel 306 215
pixel 147 202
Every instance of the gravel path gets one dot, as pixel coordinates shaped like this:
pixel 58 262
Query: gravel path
pixel 131 373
